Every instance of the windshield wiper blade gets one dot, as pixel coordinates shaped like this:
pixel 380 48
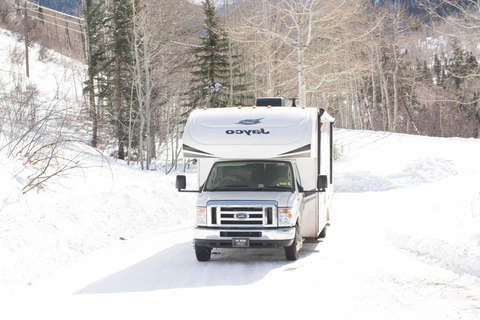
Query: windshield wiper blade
pixel 229 187
pixel 270 188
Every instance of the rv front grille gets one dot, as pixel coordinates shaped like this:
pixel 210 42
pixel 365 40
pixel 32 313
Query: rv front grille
pixel 255 214
pixel 241 216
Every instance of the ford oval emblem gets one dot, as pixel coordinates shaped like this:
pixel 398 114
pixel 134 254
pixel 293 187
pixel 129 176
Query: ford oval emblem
pixel 241 215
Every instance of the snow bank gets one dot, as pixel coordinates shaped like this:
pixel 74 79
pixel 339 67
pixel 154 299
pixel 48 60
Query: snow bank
pixel 460 258
pixel 57 78
pixel 437 181
pixel 103 205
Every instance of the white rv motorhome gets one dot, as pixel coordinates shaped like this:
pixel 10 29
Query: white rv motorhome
pixel 265 177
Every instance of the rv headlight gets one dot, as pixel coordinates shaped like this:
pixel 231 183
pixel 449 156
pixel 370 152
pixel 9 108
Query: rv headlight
pixel 286 217
pixel 201 216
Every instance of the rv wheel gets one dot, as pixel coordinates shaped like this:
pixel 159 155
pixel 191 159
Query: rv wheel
pixel 291 252
pixel 202 253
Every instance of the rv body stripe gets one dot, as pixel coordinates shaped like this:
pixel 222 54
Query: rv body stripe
pixel 301 149
pixel 188 148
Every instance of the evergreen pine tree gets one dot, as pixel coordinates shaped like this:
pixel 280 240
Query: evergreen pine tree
pixel 95 52
pixel 211 68
pixel 460 66
pixel 109 32
pixel 40 12
pixel 426 75
pixel 122 60
pixel 438 69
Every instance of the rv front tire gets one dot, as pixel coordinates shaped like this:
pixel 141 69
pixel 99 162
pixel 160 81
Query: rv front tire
pixel 202 253
pixel 291 252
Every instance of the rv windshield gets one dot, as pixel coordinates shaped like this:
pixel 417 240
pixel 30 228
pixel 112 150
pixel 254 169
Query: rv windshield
pixel 250 176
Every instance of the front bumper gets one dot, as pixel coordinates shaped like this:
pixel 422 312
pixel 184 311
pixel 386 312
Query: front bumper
pixel 258 238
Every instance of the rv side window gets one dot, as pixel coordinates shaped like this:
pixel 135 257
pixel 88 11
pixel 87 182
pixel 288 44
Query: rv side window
pixel 251 176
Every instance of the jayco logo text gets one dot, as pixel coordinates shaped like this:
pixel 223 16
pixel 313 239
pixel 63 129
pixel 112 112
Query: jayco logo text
pixel 248 132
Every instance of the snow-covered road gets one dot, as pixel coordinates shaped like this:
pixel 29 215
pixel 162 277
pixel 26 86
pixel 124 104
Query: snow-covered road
pixel 352 274
pixel 404 243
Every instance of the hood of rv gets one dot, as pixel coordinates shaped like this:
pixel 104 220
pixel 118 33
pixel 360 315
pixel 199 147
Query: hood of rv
pixel 283 199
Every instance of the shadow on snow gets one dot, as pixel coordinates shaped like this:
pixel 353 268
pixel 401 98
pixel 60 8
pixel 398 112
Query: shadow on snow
pixel 177 267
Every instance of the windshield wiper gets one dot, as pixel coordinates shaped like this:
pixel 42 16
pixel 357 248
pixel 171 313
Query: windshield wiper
pixel 273 188
pixel 229 187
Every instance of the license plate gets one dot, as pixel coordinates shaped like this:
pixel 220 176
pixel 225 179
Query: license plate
pixel 240 243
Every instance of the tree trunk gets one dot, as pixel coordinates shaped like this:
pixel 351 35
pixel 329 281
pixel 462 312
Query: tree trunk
pixel 147 101
pixel 302 94
pixel 395 87
pixel 385 97
pixel 91 83
pixel 268 61
pixel 118 90
pixel 374 91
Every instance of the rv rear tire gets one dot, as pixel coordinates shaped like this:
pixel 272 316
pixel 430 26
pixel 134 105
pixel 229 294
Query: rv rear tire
pixel 323 234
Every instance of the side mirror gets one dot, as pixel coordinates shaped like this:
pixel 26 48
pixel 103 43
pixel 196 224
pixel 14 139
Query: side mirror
pixel 322 182
pixel 181 182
